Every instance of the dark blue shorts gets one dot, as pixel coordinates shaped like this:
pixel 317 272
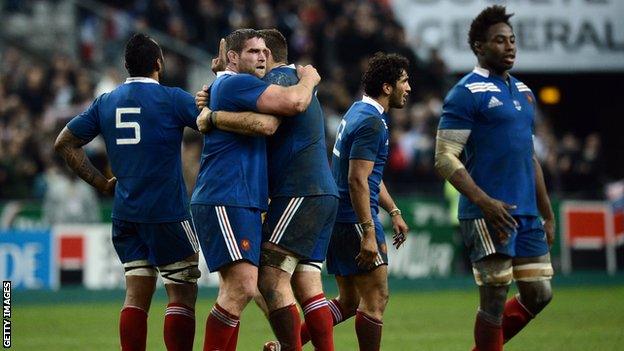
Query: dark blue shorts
pixel 301 225
pixel 228 234
pixel 345 246
pixel 528 240
pixel 158 243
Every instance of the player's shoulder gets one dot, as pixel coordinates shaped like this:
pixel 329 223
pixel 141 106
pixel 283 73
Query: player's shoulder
pixel 476 83
pixel 520 85
pixel 283 75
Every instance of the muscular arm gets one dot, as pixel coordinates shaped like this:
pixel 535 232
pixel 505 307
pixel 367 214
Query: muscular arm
pixel 70 148
pixel 359 170
pixel 245 123
pixel 289 101
pixel 449 145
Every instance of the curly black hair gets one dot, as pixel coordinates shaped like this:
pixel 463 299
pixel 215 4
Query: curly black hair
pixel 141 55
pixel 487 18
pixel 276 42
pixel 383 68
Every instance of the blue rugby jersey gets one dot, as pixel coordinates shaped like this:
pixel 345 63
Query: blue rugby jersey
pixel 297 159
pixel 362 134
pixel 233 167
pixel 142 122
pixel 499 151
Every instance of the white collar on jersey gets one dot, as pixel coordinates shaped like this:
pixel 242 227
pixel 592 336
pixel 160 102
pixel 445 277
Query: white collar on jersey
pixel 227 71
pixel 481 71
pixel 369 100
pixel 141 80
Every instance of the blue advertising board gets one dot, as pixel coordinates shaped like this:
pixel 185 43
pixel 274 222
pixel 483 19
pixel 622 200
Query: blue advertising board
pixel 27 259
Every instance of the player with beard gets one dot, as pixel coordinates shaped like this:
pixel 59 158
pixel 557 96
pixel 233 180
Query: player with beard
pixel 357 253
pixel 231 190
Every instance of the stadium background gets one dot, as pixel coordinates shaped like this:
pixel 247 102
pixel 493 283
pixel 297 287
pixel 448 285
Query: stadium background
pixel 56 56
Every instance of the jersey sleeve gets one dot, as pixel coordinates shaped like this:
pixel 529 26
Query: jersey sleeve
pixel 459 109
pixel 244 90
pixel 86 125
pixel 185 109
pixel 367 139
pixel 278 77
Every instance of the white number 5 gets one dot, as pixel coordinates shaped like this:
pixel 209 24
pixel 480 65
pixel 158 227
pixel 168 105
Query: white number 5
pixel 133 125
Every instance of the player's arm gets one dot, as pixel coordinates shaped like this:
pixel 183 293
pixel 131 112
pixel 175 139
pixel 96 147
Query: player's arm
pixel 449 145
pixel 245 123
pixel 543 202
pixel 359 191
pixel 69 147
pixel 290 101
pixel 398 224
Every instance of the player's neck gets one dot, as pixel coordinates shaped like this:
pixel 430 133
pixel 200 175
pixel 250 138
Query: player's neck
pixel 504 75
pixel 154 76
pixel 384 101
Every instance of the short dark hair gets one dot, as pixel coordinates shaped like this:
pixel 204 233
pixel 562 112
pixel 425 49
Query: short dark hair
pixel 276 42
pixel 383 68
pixel 141 55
pixel 236 40
pixel 487 18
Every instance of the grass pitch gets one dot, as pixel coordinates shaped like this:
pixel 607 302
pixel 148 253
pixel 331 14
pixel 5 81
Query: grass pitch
pixel 579 318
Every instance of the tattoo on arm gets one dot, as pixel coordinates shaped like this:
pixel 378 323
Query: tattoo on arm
pixel 70 148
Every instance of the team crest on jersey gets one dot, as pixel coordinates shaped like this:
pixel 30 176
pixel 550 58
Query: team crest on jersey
pixel 517 105
pixel 245 244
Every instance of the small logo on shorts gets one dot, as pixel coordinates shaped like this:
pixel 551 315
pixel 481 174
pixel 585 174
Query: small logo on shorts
pixel 383 248
pixel 245 244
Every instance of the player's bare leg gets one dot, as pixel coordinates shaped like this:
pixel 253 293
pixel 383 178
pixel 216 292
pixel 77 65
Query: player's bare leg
pixel 532 276
pixel 133 317
pixel 237 288
pixel 181 284
pixel 276 268
pixel 493 275
pixel 308 288
pixel 373 290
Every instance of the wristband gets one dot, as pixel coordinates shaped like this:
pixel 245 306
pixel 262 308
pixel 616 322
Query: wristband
pixel 366 225
pixel 213 118
pixel 395 212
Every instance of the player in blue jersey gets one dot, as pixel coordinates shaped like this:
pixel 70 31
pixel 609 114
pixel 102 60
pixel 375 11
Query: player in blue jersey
pixel 489 116
pixel 232 187
pixel 357 253
pixel 302 209
pixel 142 124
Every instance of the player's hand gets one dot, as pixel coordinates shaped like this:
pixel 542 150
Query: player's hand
pixel 497 215
pixel 201 98
pixel 220 61
pixel 368 250
pixel 400 231
pixel 549 228
pixel 308 72
pixel 203 121
pixel 108 188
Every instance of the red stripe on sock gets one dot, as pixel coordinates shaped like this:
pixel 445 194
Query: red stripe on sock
pixel 219 332
pixel 319 324
pixel 179 329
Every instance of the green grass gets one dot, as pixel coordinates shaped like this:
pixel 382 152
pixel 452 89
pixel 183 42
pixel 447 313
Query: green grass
pixel 585 318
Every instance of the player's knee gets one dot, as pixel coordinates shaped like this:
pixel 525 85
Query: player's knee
pixel 279 260
pixel 495 276
pixel 537 298
pixel 181 272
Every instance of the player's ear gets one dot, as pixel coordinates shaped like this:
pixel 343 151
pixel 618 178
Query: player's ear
pixel 387 89
pixel 478 48
pixel 232 56
pixel 159 65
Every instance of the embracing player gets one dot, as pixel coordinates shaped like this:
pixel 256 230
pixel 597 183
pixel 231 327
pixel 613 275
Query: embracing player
pixel 357 253
pixel 142 124
pixel 489 115
pixel 301 214
pixel 232 186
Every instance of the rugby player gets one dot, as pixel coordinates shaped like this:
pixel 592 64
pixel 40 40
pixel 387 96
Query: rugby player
pixel 489 116
pixel 357 253
pixel 232 186
pixel 142 124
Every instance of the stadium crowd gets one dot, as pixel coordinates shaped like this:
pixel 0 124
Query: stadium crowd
pixel 37 97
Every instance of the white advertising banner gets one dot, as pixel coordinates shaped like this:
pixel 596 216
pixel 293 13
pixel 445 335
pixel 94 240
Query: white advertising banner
pixel 98 259
pixel 552 35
